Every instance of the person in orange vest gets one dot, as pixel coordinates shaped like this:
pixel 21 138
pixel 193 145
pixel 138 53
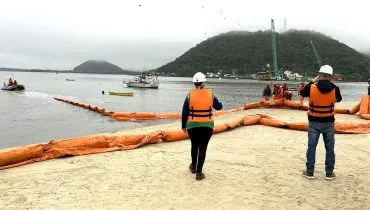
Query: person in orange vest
pixel 278 91
pixel 323 95
pixel 287 95
pixel 197 121
pixel 267 92
pixel 301 98
pixel 285 87
pixel 10 82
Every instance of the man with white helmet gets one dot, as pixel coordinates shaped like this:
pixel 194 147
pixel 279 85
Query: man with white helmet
pixel 323 95
pixel 197 121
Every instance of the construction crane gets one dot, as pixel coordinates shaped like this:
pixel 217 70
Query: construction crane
pixel 316 54
pixel 277 72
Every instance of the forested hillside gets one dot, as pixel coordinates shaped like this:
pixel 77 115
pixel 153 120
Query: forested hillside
pixel 249 52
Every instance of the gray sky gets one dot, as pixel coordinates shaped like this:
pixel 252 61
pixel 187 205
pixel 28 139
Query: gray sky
pixel 137 34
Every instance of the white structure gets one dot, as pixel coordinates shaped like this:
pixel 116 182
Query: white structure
pixel 213 75
pixel 292 76
pixel 298 76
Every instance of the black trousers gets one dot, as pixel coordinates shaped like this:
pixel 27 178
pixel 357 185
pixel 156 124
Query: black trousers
pixel 199 137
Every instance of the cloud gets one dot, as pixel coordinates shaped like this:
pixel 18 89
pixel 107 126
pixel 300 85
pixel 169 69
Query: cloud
pixel 141 33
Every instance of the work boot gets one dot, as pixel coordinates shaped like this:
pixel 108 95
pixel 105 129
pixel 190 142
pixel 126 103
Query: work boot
pixel 200 176
pixel 192 168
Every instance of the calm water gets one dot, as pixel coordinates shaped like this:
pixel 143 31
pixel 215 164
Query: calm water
pixel 33 116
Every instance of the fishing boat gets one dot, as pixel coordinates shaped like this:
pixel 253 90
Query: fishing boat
pixel 70 80
pixel 144 80
pixel 121 93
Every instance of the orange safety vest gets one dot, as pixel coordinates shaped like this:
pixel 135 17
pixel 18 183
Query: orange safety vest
pixel 321 104
pixel 200 105
pixel 279 94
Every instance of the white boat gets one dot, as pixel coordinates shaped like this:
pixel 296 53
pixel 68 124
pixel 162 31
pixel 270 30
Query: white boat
pixel 144 80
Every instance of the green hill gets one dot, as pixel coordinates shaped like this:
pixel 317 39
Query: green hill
pixel 98 67
pixel 249 52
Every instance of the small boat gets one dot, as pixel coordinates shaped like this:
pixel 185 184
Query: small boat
pixel 13 88
pixel 144 80
pixel 121 93
pixel 70 80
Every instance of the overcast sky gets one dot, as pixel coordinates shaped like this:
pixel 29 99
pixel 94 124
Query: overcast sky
pixel 137 34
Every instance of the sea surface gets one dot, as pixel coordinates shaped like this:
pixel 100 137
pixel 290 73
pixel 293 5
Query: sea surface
pixel 33 116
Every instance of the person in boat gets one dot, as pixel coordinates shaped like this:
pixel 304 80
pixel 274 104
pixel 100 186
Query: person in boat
pixel 300 87
pixel 267 92
pixel 323 95
pixel 10 82
pixel 197 121
pixel 15 83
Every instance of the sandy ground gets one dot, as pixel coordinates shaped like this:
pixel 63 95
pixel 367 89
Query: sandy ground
pixel 253 167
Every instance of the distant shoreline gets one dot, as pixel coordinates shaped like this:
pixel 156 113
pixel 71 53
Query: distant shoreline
pixel 131 73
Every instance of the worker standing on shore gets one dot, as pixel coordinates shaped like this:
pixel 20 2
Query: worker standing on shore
pixel 267 92
pixel 197 121
pixel 287 95
pixel 300 87
pixel 323 95
pixel 278 91
pixel 285 87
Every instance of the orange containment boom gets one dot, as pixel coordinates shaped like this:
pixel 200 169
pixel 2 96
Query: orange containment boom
pixel 112 142
pixel 365 107
pixel 152 115
pixel 138 115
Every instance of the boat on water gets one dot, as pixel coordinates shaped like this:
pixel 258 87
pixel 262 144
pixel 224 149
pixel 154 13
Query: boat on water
pixel 13 88
pixel 121 93
pixel 145 80
pixel 70 80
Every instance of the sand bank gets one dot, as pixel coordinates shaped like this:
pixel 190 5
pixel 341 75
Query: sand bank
pixel 248 167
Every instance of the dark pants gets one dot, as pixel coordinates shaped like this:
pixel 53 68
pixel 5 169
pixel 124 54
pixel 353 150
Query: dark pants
pixel 327 130
pixel 199 138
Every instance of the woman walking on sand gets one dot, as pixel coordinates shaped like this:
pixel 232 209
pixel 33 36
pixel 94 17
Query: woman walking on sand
pixel 197 121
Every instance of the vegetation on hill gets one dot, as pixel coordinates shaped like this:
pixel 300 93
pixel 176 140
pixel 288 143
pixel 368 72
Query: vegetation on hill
pixel 98 67
pixel 89 67
pixel 249 52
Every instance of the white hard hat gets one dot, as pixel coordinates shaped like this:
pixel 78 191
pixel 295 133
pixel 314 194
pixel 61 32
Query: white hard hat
pixel 199 77
pixel 326 69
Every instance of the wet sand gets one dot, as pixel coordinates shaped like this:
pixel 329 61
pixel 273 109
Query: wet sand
pixel 255 167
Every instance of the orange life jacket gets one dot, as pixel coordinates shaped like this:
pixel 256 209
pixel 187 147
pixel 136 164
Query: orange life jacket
pixel 279 94
pixel 200 105
pixel 321 104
